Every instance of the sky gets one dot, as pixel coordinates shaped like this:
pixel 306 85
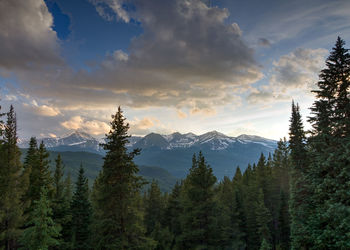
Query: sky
pixel 172 65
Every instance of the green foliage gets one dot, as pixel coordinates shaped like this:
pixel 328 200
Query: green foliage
pixel 118 217
pixel 13 183
pixel 299 186
pixel 199 226
pixel 154 206
pixel 42 232
pixel 81 214
pixel 328 173
pixel 40 175
pixel 263 218
pixel 61 204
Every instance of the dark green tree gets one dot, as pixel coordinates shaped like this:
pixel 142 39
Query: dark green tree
pixel 41 232
pixel 40 175
pixel 328 172
pixel 154 207
pixel 173 212
pixel 263 218
pixel 61 213
pixel 81 213
pixel 12 185
pixel 283 223
pixel 117 194
pixel 199 228
pixel 299 205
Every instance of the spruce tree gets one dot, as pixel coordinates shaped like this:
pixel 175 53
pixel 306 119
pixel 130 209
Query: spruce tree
pixel 199 229
pixel 41 232
pixel 263 218
pixel 40 175
pixel 329 169
pixel 283 223
pixel 81 213
pixel 117 193
pixel 229 212
pixel 12 185
pixel 154 207
pixel 61 204
pixel 173 212
pixel 299 185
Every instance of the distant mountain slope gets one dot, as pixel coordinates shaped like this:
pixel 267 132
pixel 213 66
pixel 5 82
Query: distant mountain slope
pixel 93 163
pixel 174 152
pixel 76 141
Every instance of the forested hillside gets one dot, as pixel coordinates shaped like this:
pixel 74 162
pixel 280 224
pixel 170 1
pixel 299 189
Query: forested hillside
pixel 296 198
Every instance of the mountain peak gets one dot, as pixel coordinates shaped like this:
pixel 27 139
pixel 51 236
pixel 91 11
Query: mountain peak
pixel 80 134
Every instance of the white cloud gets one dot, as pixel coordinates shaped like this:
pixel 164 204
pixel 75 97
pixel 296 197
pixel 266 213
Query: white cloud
pixel 146 125
pixel 294 73
pixel 41 110
pixel 93 127
pixel 298 69
pixel 102 7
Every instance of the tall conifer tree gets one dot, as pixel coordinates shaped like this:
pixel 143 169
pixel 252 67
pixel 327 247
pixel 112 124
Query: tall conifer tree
pixel 12 185
pixel 81 213
pixel 118 193
pixel 329 169
pixel 300 187
pixel 199 229
pixel 42 232
pixel 61 204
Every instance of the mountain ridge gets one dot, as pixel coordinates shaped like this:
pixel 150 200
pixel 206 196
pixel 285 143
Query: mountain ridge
pixel 82 141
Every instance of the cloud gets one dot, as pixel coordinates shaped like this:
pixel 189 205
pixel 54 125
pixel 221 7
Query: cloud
pixel 147 125
pixel 261 96
pixel 27 39
pixel 105 9
pixel 41 110
pixel 292 74
pixel 45 110
pixel 93 127
pixel 188 56
pixel 181 114
pixel 290 20
pixel 298 69
pixel 264 42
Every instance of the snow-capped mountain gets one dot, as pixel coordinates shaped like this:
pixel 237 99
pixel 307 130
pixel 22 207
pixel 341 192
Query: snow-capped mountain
pixel 212 140
pixel 76 141
pixel 174 152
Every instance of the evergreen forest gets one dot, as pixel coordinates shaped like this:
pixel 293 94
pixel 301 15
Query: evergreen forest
pixel 296 198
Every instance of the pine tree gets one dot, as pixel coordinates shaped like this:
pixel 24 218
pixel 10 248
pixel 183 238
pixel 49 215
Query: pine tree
pixel 229 213
pixel 173 212
pixel 1 125
pixel 12 185
pixel 199 229
pixel 263 218
pixel 283 223
pixel 40 175
pixel 81 213
pixel 154 207
pixel 42 232
pixel 118 193
pixel 61 204
pixel 300 190
pixel 249 204
pixel 329 169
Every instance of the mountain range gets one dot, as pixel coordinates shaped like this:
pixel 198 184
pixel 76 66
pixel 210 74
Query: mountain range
pixel 174 152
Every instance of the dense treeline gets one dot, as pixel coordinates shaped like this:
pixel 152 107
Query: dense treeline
pixel 297 198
